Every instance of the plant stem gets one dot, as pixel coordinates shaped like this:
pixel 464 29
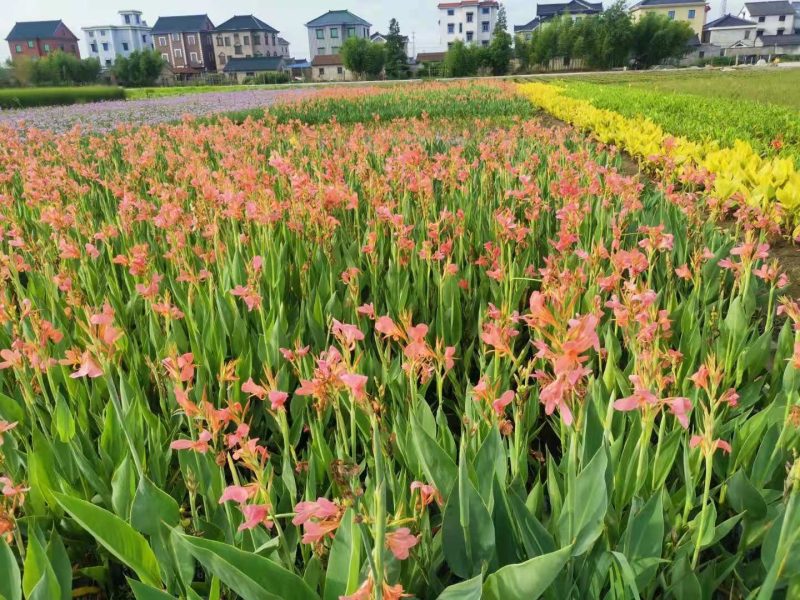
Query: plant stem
pixel 703 511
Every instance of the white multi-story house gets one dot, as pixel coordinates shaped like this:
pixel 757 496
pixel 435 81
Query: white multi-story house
pixel 106 42
pixel 327 33
pixel 245 36
pixel 471 21
pixel 772 17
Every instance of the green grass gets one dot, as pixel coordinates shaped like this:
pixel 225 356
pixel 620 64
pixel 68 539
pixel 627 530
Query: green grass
pixel 51 96
pixel 185 90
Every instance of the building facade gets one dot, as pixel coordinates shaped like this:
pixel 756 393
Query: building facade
pixel 185 43
pixel 106 42
pixel 576 9
pixel 244 36
pixel 772 17
pixel 243 69
pixel 329 67
pixel 692 12
pixel 327 33
pixel 36 39
pixel 470 21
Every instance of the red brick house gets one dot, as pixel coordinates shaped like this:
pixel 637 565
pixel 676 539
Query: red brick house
pixel 185 43
pixel 39 38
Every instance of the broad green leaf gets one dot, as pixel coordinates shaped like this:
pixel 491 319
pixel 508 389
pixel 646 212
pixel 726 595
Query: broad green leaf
pixel 116 536
pixel 152 506
pixel 581 520
pixel 11 410
pixel 36 566
pixel 439 468
pixel 10 582
pixel 344 564
pixel 743 496
pixel 251 576
pixel 643 539
pixel 145 592
pixel 471 589
pixel 467 531
pixel 628 576
pixel 59 560
pixel 528 580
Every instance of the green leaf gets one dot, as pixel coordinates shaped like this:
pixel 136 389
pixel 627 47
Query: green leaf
pixel 470 589
pixel 743 496
pixel 438 466
pixel 467 531
pixel 37 565
pixel 528 580
pixel 152 506
pixel 251 576
pixel 116 536
pixel 59 560
pixel 145 592
pixel 628 576
pixel 10 582
pixel 344 563
pixel 63 420
pixel 581 520
pixel 10 409
pixel 643 539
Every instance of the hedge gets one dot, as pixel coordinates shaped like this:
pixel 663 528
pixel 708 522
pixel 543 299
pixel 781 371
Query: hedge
pixel 51 96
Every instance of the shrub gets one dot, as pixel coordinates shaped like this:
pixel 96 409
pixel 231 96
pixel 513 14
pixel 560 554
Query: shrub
pixel 52 96
pixel 140 69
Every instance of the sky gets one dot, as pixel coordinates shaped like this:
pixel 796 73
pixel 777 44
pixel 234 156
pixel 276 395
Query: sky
pixel 418 18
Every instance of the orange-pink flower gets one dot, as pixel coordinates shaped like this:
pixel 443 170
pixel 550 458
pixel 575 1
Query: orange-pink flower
pixel 199 445
pixel 400 542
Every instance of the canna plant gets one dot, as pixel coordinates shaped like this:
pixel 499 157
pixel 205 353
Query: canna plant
pixel 385 357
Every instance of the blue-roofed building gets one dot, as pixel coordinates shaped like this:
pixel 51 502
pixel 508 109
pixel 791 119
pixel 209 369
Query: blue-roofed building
pixel 244 68
pixel 576 9
pixel 35 39
pixel 247 36
pixel 327 33
pixel 185 43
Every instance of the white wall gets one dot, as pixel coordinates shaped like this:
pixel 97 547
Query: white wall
pixel 727 37
pixel 115 38
pixel 771 23
pixel 461 27
pixel 333 36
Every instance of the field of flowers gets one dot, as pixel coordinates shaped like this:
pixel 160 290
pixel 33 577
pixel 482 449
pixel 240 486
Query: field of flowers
pixel 387 343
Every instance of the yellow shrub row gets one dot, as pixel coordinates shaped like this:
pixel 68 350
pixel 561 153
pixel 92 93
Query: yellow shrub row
pixel 740 173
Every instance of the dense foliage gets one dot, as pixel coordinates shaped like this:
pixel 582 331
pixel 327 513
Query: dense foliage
pixel 57 68
pixel 466 59
pixel 139 69
pixel 52 96
pixel 396 66
pixel 329 354
pixel 608 40
pixel 363 57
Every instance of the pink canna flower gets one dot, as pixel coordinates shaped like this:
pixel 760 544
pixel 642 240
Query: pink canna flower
pixel 5 427
pixel 255 515
pixel 277 399
pixel 356 383
pixel 11 359
pixel 364 591
pixel 388 328
pixel 322 508
pixel 400 542
pixel 252 388
pixel 499 405
pixel 257 263
pixel 237 493
pixel 200 445
pixel 88 367
pixel 700 377
pixel 368 310
pixel 683 272
pixel 449 358
pixel 181 368
pixel 730 397
pixel 251 298
pixel 706 448
pixel 348 334
pixel 680 407
pixel 316 531
pixel 10 490
pixel 427 493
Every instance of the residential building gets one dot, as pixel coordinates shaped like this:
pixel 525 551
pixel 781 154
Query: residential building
pixel 244 36
pixel 243 68
pixel 284 47
pixel 576 9
pixel 329 67
pixel 379 38
pixel 185 43
pixel 470 21
pixel 35 39
pixel 327 33
pixel 773 17
pixel 106 42
pixel 796 7
pixel 692 12
pixel 729 31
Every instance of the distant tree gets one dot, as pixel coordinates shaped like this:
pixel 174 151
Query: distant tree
pixel 376 60
pixel 22 71
pixel 395 50
pixel 614 37
pixel 142 68
pixel 522 52
pixel 499 52
pixel 656 38
pixel 362 57
pixel 462 60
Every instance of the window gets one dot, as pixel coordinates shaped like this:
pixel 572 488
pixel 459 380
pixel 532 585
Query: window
pixel 485 26
pixel 250 74
pixel 235 37
pixel 105 46
pixel 320 51
pixel 335 49
pixel 18 48
pixel 144 38
pixel 127 19
pixel 222 58
pixel 761 19
pixel 103 32
pixel 469 17
pixel 334 32
pixel 781 31
pixel 449 45
pixel 339 70
pixel 450 12
pixel 691 13
pixel 671 15
pixel 125 46
pixel 237 49
pixel 273 39
pixel 91 34
pixel 227 41
pixel 190 39
pixel 485 43
pixel 165 56
pixel 759 33
pixel 178 53
pixel 193 57
pixel 460 28
pixel 782 18
pixel 747 34
pixel 320 34
pixel 108 62
pixel 162 41
pixel 246 40
pixel 176 37
pixel 322 70
pixel 485 10
pixel 93 46
pixel 451 28
pixel 256 39
pixel 351 32
pixel 701 54
pixel 469 36
pixel 137 19
pixel 30 44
